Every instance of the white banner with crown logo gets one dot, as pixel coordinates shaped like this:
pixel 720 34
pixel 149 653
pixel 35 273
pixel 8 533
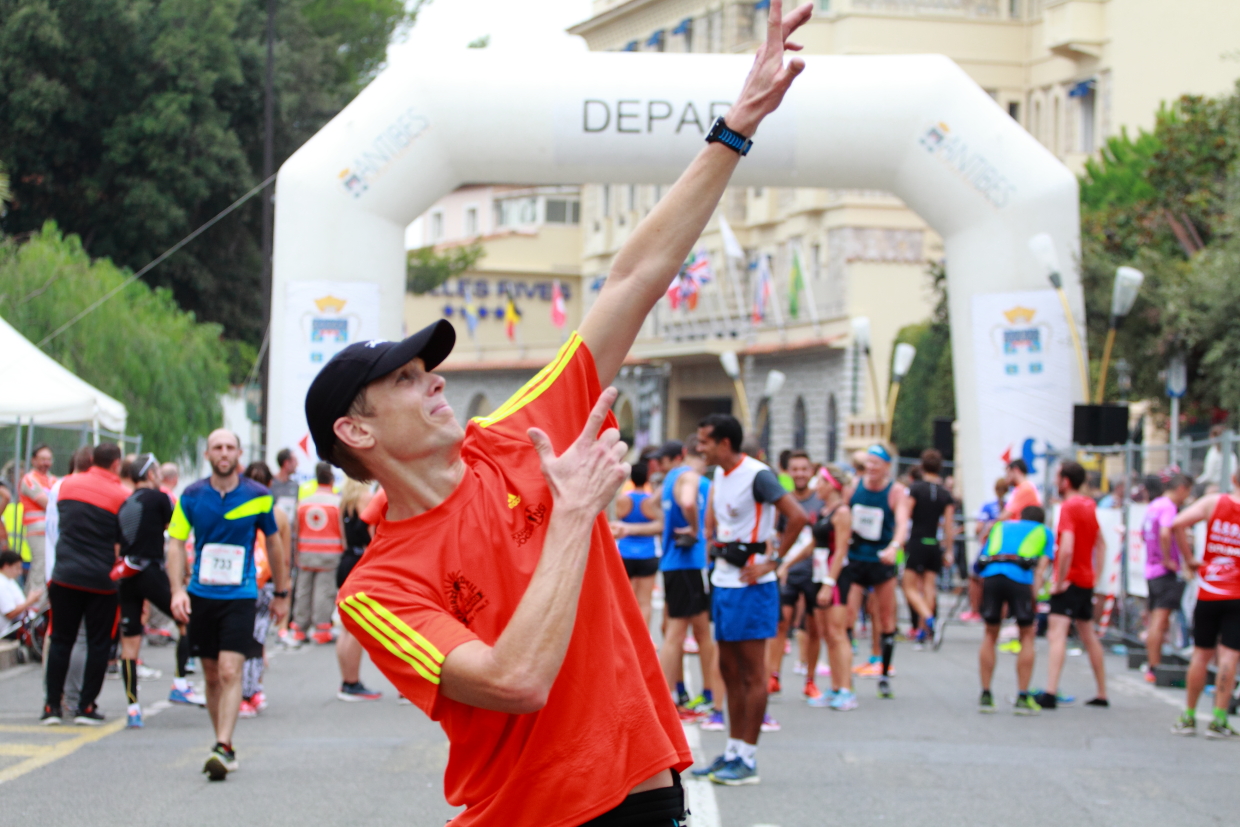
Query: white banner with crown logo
pixel 321 319
pixel 1022 352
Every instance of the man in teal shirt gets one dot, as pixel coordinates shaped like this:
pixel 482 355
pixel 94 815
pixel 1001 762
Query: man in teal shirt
pixel 1013 565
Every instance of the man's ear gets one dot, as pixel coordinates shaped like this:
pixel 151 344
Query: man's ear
pixel 353 433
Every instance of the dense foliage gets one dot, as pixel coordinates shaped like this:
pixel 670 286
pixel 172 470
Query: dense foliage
pixel 139 347
pixel 928 391
pixel 131 122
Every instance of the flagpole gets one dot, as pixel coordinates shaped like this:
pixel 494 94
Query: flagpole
pixel 813 303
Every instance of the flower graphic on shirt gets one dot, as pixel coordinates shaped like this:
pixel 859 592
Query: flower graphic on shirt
pixel 534 516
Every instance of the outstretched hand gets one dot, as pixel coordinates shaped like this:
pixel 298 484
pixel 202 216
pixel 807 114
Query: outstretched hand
pixel 585 478
pixel 769 78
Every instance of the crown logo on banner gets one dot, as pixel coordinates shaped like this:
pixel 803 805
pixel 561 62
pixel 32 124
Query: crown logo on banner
pixel 330 303
pixel 1019 315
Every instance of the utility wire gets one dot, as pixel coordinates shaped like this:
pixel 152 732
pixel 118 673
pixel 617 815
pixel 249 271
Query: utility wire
pixel 99 302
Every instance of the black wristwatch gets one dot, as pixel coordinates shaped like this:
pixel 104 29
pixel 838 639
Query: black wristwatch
pixel 721 134
pixel 280 594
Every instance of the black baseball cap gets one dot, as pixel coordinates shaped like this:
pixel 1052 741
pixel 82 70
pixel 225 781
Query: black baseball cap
pixel 341 379
pixel 672 449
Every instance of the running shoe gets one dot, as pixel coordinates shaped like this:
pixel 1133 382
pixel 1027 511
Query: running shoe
pixel 884 689
pixel 190 696
pixel 354 692
pixel 772 685
pixel 134 719
pixel 1060 698
pixel 769 724
pixel 1100 703
pixel 260 700
pixel 869 670
pixel 220 763
pixel 801 668
pixel 823 670
pixel 1026 705
pixel 1220 730
pixel 822 701
pixel 700 704
pixel 970 617
pixel 146 673
pixel 1012 646
pixel 682 699
pixel 191 666
pixel 1046 700
pixel 691 646
pixel 247 709
pixel 1150 677
pixel 51 716
pixel 691 716
pixel 701 772
pixel 811 690
pixel 986 703
pixel 1186 724
pixel 844 700
pixel 90 716
pixel 714 723
pixel 735 773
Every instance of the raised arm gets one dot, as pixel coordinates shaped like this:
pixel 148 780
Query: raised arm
pixel 516 674
pixel 653 254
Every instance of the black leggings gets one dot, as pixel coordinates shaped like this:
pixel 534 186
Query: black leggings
pixel 102 615
pixel 149 584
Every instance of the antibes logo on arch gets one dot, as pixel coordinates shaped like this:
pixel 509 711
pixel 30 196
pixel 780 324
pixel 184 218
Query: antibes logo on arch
pixel 381 151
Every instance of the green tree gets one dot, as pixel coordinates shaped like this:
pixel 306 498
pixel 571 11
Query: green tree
pixel 139 347
pixel 131 122
pixel 928 391
pixel 427 269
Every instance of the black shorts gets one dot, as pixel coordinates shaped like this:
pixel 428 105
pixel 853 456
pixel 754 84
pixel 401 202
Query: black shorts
pixel 1074 602
pixel 866 574
pixel 1166 592
pixel 1216 622
pixel 800 582
pixel 684 593
pixel 643 567
pixel 999 591
pixel 149 584
pixel 923 557
pixel 221 626
pixel 347 561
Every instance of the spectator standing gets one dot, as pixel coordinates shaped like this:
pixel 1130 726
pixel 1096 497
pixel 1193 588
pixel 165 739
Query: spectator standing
pixel 35 485
pixel 1163 561
pixel 354 497
pixel 320 542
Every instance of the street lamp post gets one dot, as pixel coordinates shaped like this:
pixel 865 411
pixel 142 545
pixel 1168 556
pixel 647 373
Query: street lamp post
pixel 861 345
pixel 1043 248
pixel 899 368
pixel 1127 283
pixel 1177 385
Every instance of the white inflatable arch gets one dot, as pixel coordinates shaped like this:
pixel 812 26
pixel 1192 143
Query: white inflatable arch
pixel 916 126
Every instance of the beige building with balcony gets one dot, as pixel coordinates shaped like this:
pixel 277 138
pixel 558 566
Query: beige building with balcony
pixel 1072 72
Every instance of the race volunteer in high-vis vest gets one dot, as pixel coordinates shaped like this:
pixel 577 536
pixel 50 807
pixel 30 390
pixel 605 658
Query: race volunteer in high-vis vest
pixel 493 595
pixel 1216 619
pixel 35 486
pixel 1013 566
pixel 224 512
pixel 320 542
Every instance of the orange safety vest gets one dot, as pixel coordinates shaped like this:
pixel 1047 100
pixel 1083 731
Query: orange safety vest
pixel 34 516
pixel 318 523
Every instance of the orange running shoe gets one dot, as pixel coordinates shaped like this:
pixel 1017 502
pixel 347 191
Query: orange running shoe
pixel 772 685
pixel 811 691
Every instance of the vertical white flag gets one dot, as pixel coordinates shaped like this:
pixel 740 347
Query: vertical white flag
pixel 731 247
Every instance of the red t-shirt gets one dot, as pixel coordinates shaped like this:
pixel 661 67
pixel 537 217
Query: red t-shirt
pixel 1219 577
pixel 376 509
pixel 1023 496
pixel 1078 515
pixel 457 573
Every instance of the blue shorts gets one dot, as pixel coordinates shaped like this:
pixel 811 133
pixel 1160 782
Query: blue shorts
pixel 749 613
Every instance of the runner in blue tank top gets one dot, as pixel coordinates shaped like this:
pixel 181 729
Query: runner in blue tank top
pixel 880 519
pixel 686 599
pixel 638 521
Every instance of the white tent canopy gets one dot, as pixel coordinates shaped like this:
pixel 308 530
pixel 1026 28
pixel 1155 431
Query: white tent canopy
pixel 34 386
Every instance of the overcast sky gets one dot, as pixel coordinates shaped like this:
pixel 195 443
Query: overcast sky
pixel 449 25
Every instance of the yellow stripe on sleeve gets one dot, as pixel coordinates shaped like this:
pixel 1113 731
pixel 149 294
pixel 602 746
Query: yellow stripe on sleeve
pixel 544 379
pixel 387 644
pixel 178 526
pixel 410 644
pixel 413 635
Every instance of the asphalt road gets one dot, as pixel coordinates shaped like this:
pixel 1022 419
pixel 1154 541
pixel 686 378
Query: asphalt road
pixel 925 758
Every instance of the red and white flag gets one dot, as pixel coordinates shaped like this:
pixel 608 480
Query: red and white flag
pixel 559 315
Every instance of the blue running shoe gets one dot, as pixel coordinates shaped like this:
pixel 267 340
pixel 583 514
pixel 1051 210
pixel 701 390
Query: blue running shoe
pixel 714 723
pixel 822 701
pixel 718 764
pixel 844 701
pixel 190 697
pixel 735 773
pixel 134 721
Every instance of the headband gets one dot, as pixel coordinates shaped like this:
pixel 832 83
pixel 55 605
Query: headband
pixel 880 452
pixel 831 480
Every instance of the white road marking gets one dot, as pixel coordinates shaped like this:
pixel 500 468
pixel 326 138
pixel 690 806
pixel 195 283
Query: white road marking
pixel 699 792
pixel 1133 686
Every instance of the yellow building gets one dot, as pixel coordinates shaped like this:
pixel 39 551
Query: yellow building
pixel 1071 71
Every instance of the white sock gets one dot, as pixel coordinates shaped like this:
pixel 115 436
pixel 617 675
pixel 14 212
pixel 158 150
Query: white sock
pixel 749 754
pixel 135 709
pixel 180 684
pixel 732 749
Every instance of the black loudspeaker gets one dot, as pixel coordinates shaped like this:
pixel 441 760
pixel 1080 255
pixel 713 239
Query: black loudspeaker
pixel 944 439
pixel 1100 424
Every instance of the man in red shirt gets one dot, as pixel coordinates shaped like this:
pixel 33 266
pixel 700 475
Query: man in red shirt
pixel 1024 493
pixel 493 595
pixel 1079 555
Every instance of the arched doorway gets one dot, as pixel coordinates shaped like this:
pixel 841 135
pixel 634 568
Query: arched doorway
pixel 800 424
pixel 833 428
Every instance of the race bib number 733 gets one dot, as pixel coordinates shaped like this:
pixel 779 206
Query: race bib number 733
pixel 221 564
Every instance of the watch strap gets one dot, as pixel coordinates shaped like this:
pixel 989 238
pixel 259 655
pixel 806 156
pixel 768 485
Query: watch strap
pixel 722 134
